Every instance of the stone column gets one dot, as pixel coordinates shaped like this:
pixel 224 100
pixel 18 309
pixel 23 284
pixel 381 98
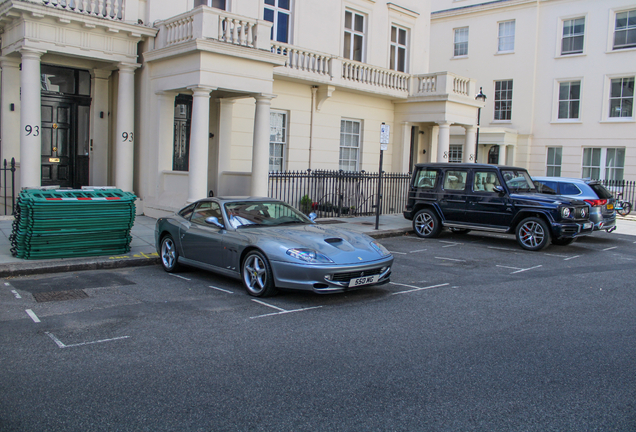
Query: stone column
pixel 224 143
pixel 125 135
pixel 469 144
pixel 199 143
pixel 99 128
pixel 260 149
pixel 443 143
pixel 30 120
pixel 11 131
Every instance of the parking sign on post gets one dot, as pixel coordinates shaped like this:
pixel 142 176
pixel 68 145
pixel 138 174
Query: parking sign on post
pixel 385 131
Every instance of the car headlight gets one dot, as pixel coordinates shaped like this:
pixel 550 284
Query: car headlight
pixel 379 248
pixel 565 212
pixel 309 255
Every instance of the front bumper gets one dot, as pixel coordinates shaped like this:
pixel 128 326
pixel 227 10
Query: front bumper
pixel 312 277
pixel 572 229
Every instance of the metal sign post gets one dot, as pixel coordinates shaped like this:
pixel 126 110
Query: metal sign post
pixel 384 145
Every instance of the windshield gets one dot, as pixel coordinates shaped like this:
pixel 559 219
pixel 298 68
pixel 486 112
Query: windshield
pixel 518 181
pixel 262 213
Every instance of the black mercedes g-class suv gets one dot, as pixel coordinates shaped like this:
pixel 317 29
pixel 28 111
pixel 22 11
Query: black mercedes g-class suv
pixel 466 197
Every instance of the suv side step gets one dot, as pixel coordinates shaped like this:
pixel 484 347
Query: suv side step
pixel 475 227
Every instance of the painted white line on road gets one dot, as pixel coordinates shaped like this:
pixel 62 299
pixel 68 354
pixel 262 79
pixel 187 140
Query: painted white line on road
pixel 221 289
pixel 450 259
pixel 268 305
pixel 33 316
pixel 419 250
pixel 556 255
pixel 399 253
pixel 180 277
pixel 572 257
pixel 15 293
pixel 7 284
pixel 519 270
pixel 62 345
pixel 450 244
pixel 504 249
pixel 414 288
pixel 522 270
pixel 610 248
pixel 285 312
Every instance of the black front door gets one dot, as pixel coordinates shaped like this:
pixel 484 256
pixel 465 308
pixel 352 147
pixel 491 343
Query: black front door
pixel 58 142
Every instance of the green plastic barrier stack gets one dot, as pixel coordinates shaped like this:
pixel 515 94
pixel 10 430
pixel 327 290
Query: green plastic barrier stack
pixel 72 223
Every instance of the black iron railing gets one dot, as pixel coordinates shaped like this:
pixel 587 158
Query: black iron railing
pixel 8 185
pixel 627 188
pixel 339 193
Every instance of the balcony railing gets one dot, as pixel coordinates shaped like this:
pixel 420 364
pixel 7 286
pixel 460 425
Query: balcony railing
pixel 211 23
pixel 109 9
pixel 321 67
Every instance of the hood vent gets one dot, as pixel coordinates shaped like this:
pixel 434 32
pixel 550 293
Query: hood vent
pixel 334 241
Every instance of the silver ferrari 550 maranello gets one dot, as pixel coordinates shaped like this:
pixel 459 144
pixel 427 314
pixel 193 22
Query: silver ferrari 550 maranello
pixel 269 245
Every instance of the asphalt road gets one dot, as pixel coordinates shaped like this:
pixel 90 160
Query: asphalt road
pixel 473 334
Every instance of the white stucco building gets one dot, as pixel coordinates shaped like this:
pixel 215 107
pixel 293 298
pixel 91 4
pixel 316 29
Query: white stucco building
pixel 173 99
pixel 559 78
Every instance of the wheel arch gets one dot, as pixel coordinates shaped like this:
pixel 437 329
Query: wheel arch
pixel 531 213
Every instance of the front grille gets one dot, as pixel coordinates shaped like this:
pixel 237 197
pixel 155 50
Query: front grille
pixel 578 212
pixel 346 277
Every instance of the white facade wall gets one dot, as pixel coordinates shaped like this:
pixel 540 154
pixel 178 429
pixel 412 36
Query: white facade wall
pixel 536 67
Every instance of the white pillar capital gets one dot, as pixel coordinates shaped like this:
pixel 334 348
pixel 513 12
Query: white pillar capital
pixel 30 53
pixel 201 91
pixel 101 73
pixel 127 67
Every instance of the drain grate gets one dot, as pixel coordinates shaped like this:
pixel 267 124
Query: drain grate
pixel 50 296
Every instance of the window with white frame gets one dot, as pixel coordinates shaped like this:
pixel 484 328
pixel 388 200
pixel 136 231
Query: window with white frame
pixel 625 30
pixel 569 99
pixel 603 163
pixel 503 100
pixel 455 153
pixel 350 131
pixel 461 42
pixel 621 102
pixel 354 36
pixel 277 140
pixel 398 49
pixel 279 13
pixel 506 36
pixel 573 36
pixel 553 164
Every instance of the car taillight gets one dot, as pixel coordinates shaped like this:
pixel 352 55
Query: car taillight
pixel 598 202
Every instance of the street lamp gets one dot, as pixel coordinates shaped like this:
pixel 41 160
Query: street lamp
pixel 482 98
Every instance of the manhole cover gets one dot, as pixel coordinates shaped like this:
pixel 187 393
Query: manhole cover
pixel 50 296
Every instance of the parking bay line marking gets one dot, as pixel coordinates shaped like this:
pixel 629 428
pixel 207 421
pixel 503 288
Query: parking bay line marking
pixel 450 259
pixel 15 293
pixel 519 270
pixel 221 289
pixel 500 248
pixel 63 345
pixel 399 253
pixel 419 250
pixel 610 248
pixel 415 288
pixel 33 316
pixel 280 310
pixel 180 277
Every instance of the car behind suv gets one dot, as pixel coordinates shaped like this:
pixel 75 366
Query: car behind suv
pixel 494 198
pixel 600 200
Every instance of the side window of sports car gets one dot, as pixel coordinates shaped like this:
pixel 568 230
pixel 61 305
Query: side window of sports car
pixel 204 210
pixel 187 211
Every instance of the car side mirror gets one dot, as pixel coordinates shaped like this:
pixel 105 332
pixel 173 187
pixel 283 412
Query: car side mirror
pixel 213 220
pixel 312 216
pixel 499 189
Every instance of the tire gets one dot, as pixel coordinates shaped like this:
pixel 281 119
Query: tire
pixel 533 234
pixel 257 275
pixel 169 255
pixel 426 224
pixel 563 241
pixel 460 230
pixel 627 209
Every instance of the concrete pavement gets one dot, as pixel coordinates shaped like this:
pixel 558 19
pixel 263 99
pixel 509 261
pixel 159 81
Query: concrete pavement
pixel 143 250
